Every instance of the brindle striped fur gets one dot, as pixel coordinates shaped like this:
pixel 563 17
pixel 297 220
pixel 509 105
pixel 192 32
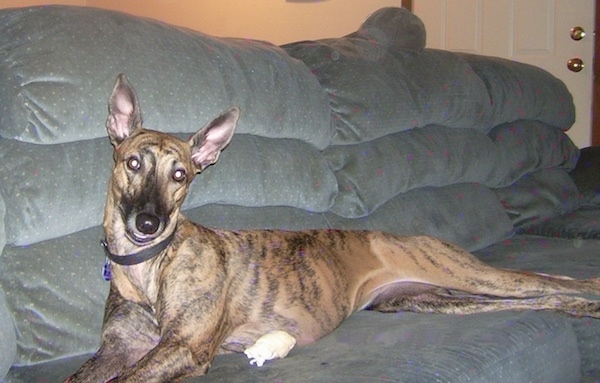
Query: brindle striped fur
pixel 217 291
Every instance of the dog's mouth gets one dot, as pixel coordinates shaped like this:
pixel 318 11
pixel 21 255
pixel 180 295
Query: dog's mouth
pixel 140 239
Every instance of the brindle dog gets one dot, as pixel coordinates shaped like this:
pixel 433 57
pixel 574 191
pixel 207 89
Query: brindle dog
pixel 181 293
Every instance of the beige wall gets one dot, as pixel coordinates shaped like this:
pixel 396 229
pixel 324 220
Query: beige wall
pixel 278 21
pixel 27 3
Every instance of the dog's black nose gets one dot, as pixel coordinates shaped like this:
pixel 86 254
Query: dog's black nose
pixel 147 223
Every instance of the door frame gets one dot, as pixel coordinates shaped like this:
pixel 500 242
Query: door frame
pixel 595 80
pixel 408 4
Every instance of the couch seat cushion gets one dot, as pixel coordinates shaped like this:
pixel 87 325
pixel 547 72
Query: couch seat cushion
pixel 375 347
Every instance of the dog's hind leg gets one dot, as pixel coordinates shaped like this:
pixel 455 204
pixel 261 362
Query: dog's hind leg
pixel 469 304
pixel 434 262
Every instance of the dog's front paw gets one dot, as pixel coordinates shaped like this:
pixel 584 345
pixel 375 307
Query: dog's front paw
pixel 276 344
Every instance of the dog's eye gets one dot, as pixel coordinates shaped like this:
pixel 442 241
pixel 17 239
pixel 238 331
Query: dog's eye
pixel 134 163
pixel 179 175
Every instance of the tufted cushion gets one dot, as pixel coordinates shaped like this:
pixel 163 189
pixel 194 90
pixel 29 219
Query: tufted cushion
pixel 582 223
pixel 54 190
pixel 587 177
pixel 522 91
pixel 56 295
pixel 257 171
pixel 539 196
pixel 371 173
pixel 380 80
pixel 469 215
pixel 393 28
pixel 373 92
pixel 59 64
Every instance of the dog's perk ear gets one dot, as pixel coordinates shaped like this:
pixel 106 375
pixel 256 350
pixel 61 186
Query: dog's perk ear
pixel 124 114
pixel 206 145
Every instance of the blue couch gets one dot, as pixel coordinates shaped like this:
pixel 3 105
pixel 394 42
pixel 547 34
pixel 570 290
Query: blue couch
pixel 367 131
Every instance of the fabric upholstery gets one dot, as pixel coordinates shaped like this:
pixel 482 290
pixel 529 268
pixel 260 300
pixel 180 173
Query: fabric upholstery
pixel 66 183
pixel 282 172
pixel 573 257
pixel 392 28
pixel 373 92
pixel 376 86
pixel 8 343
pixel 406 348
pixel 184 78
pixel 232 217
pixel 468 214
pixel 371 173
pixel 583 223
pixel 520 91
pixel 587 177
pixel 528 146
pixel 53 190
pixel 56 295
pixel 539 196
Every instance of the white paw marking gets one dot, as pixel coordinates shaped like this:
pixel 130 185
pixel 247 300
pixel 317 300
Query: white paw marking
pixel 276 344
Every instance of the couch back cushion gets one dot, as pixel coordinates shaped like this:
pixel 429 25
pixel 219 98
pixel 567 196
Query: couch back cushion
pixel 381 80
pixel 58 66
pixel 54 190
pixel 370 173
pixel 56 295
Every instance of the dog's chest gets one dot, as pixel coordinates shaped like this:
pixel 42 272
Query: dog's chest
pixel 137 283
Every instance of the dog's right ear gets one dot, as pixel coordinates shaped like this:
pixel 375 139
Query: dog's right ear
pixel 124 114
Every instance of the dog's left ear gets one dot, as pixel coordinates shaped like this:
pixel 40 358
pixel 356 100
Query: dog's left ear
pixel 124 114
pixel 206 145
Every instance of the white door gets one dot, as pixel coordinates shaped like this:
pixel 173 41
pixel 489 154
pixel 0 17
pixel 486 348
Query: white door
pixel 536 32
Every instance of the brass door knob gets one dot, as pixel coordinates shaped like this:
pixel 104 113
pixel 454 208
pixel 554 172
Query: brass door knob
pixel 577 33
pixel 575 65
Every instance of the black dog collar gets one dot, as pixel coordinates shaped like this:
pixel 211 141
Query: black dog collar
pixel 139 257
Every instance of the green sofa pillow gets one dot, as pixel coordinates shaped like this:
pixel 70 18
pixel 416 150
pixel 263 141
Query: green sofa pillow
pixel 59 63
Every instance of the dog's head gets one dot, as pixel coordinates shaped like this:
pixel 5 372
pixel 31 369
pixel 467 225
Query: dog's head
pixel 153 170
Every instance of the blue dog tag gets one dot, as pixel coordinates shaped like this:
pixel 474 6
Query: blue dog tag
pixel 106 270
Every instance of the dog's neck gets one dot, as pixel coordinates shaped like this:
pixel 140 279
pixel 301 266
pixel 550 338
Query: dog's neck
pixel 137 281
pixel 142 255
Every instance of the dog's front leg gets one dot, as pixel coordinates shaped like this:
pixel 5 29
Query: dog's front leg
pixel 168 362
pixel 180 354
pixel 191 333
pixel 128 333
